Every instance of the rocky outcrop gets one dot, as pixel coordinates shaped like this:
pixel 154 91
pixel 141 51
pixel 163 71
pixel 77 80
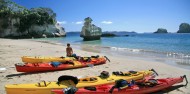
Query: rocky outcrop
pixel 161 30
pixel 184 28
pixel 35 31
pixel 49 30
pixel 8 29
pixel 19 22
pixel 61 31
pixel 108 35
pixel 90 30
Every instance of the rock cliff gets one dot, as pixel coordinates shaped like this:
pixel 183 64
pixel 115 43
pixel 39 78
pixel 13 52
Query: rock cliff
pixel 90 29
pixel 19 22
pixel 35 31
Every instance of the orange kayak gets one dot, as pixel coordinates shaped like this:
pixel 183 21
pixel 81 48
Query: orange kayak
pixel 53 66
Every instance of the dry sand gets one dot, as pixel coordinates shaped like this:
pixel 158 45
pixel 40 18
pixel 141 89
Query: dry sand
pixel 11 52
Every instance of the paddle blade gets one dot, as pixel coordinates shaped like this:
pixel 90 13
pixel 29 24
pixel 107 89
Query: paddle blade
pixel 107 58
pixel 90 65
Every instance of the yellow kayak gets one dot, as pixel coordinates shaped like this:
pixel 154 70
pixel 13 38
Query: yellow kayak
pixel 45 59
pixel 46 87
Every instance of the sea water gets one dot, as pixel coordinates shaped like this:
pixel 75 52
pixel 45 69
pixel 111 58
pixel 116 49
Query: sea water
pixel 172 48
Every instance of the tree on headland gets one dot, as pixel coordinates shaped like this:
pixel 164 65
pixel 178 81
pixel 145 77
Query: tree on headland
pixel 21 18
pixel 36 16
pixel 161 30
pixel 184 28
pixel 8 11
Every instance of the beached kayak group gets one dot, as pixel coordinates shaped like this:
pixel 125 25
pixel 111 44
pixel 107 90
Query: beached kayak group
pixel 117 82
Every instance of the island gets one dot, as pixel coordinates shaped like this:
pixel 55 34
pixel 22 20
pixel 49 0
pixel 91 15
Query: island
pixel 161 30
pixel 90 31
pixel 184 28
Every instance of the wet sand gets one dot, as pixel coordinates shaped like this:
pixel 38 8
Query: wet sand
pixel 12 50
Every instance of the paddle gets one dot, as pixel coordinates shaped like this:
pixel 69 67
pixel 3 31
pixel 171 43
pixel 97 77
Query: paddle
pixel 90 65
pixel 185 80
pixel 107 58
pixel 154 71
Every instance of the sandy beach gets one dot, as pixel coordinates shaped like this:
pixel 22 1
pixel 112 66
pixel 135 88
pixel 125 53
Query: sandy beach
pixel 12 50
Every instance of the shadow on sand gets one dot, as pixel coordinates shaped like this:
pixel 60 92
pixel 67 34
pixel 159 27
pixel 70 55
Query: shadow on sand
pixel 21 74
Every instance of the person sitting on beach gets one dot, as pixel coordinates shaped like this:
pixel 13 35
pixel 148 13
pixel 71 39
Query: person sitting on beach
pixel 70 53
pixel 69 50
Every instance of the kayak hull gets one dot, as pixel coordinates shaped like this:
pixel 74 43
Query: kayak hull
pixel 46 87
pixel 136 89
pixel 43 67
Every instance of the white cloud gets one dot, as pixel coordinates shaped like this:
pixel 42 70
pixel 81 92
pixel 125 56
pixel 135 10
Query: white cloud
pixel 79 22
pixel 61 22
pixel 107 22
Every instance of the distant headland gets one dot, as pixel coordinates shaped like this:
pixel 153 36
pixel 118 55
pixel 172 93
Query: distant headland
pixel 184 28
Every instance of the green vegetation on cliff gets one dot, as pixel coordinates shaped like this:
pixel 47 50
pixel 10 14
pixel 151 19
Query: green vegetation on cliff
pixel 161 30
pixel 24 18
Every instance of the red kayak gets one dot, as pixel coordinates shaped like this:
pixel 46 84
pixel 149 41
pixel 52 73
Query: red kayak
pixel 148 86
pixel 53 66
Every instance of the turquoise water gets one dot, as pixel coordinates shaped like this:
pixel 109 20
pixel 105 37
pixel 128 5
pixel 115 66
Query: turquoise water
pixel 173 49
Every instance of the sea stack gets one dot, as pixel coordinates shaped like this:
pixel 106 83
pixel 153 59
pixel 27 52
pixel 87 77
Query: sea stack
pixel 90 31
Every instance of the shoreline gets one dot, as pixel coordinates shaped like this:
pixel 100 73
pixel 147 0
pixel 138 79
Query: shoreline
pixel 12 50
pixel 164 57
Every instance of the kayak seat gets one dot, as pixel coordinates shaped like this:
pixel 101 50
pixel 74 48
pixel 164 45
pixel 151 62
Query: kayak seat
pixel 95 56
pixel 84 80
pixel 69 62
pixel 91 79
pixel 133 72
pixel 120 73
pixel 67 77
pixel 85 59
pixel 104 74
pixel 90 88
pixel 62 57
pixel 149 83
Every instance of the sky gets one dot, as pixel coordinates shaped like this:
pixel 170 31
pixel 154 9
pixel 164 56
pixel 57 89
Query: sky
pixel 142 16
